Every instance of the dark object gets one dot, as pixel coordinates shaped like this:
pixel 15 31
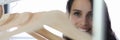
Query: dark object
pixel 5 8
pixel 66 38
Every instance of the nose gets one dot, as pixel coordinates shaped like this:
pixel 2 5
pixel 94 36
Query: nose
pixel 83 21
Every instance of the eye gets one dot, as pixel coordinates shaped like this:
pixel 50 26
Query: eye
pixel 90 15
pixel 77 14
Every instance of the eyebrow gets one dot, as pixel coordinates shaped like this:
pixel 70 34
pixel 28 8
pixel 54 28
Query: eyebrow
pixel 90 13
pixel 80 10
pixel 77 10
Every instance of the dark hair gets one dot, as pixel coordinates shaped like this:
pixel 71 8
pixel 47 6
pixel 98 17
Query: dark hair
pixel 69 5
pixel 109 35
pixel 70 2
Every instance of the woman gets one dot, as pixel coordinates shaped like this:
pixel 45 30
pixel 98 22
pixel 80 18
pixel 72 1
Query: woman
pixel 80 12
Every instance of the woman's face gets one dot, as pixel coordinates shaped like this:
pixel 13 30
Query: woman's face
pixel 1 11
pixel 81 15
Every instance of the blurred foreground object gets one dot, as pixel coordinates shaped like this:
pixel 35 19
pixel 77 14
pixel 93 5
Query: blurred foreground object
pixel 32 23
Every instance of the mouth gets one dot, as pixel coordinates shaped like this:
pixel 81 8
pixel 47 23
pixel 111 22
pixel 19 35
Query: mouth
pixel 84 30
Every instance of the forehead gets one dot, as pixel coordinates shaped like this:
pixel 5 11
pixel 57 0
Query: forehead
pixel 81 5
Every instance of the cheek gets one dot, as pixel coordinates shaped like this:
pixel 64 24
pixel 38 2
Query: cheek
pixel 74 20
pixel 90 23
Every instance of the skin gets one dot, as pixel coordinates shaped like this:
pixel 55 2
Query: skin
pixel 81 15
pixel 1 11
